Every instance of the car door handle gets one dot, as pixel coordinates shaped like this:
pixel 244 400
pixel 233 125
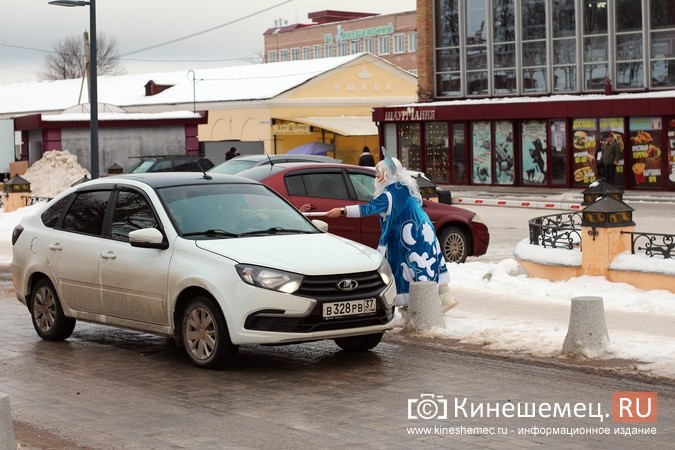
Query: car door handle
pixel 56 246
pixel 108 255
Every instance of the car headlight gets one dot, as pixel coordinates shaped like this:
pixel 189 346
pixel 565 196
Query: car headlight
pixel 385 272
pixel 276 280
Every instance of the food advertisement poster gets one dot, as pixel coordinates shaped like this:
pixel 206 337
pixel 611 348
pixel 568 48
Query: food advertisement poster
pixel 671 153
pixel 584 139
pixel 616 127
pixel 482 151
pixel 645 150
pixel 504 167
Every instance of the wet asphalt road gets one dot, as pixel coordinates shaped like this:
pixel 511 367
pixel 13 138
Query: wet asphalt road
pixel 109 388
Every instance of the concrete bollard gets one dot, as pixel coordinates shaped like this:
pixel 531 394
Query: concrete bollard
pixel 7 440
pixel 424 307
pixel 587 332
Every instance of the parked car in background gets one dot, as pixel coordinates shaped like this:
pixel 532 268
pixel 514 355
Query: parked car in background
pixel 236 165
pixel 214 261
pixel 171 164
pixel 460 232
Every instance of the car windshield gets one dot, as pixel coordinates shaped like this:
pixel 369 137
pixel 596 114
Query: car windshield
pixel 141 166
pixel 217 211
pixel 233 166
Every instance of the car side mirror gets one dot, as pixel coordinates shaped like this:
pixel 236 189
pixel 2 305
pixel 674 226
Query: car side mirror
pixel 148 238
pixel 321 225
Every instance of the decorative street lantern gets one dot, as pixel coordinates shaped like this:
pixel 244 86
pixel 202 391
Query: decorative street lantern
pixel 427 188
pixel 607 212
pixel 601 188
pixel 15 190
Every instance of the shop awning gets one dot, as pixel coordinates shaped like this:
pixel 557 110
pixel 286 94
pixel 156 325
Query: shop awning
pixel 343 125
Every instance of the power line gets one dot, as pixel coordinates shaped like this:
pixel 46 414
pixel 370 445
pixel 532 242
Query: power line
pixel 207 30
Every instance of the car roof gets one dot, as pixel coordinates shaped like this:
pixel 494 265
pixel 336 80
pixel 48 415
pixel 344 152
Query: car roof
pixel 164 179
pixel 259 173
pixel 261 157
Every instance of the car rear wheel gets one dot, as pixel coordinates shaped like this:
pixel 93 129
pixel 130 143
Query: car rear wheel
pixel 45 310
pixel 205 335
pixel 454 244
pixel 359 343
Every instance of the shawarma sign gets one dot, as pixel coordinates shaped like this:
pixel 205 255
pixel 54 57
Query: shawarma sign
pixel 410 114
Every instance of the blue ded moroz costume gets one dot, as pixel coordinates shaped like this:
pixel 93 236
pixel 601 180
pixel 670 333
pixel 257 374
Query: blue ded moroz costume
pixel 408 237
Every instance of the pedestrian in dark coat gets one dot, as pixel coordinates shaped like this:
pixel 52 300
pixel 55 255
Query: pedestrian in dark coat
pixel 366 159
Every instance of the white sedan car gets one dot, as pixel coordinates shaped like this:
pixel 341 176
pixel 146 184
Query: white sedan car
pixel 215 261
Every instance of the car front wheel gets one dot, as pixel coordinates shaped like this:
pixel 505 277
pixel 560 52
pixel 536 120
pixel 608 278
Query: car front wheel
pixel 454 244
pixel 45 310
pixel 359 343
pixel 205 335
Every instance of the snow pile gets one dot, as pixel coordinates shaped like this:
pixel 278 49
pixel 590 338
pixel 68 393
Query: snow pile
pixel 54 173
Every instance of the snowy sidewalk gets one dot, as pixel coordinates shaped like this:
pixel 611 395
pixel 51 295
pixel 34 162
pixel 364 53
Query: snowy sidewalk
pixel 502 309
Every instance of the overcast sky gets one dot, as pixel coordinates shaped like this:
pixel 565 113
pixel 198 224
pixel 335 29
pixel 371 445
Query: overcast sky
pixel 29 29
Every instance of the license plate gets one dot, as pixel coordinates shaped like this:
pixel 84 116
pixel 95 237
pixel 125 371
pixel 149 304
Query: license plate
pixel 349 308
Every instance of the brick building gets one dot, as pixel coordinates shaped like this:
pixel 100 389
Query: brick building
pixel 392 37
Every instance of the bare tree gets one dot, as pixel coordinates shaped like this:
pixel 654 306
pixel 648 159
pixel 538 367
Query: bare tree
pixel 69 58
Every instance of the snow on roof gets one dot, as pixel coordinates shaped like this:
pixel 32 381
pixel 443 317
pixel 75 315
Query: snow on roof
pixel 235 83
pixel 103 117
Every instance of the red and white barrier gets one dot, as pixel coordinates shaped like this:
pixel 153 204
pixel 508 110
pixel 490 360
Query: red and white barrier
pixel 517 203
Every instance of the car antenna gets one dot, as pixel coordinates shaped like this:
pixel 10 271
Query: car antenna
pixel 206 175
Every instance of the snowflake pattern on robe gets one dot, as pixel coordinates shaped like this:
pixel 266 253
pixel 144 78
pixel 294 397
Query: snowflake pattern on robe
pixel 408 239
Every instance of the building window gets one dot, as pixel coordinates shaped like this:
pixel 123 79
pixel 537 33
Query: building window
pixel 595 40
pixel 399 43
pixel 564 46
pixel 343 48
pixel 355 47
pixel 504 48
pixel 295 54
pixel 272 56
pixel 383 45
pixel 412 42
pixel 447 45
pixel 317 51
pixel 476 48
pixel 328 51
pixel 534 71
pixel 283 54
pixel 662 38
pixel 306 52
pixel 369 45
pixel 409 145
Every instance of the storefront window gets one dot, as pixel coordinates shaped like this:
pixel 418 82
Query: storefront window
pixel 459 165
pixel 436 140
pixel 481 153
pixel 616 127
pixel 645 152
pixel 533 156
pixel 586 141
pixel 409 146
pixel 558 152
pixel 504 168
pixel 671 155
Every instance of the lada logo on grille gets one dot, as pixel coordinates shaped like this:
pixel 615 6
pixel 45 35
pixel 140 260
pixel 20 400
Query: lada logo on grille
pixel 347 285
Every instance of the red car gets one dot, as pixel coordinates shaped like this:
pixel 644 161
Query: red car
pixel 325 186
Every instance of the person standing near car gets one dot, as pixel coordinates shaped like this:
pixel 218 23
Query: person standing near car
pixel 231 153
pixel 366 159
pixel 408 238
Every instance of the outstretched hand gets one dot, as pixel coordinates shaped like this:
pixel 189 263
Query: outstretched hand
pixel 333 213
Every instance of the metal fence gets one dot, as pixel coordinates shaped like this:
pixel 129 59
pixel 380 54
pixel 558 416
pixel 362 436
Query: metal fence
pixel 564 231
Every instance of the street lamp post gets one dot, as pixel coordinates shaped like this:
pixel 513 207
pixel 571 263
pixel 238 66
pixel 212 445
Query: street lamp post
pixel 93 89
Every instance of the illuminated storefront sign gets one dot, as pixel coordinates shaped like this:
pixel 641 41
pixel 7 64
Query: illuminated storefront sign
pixel 410 114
